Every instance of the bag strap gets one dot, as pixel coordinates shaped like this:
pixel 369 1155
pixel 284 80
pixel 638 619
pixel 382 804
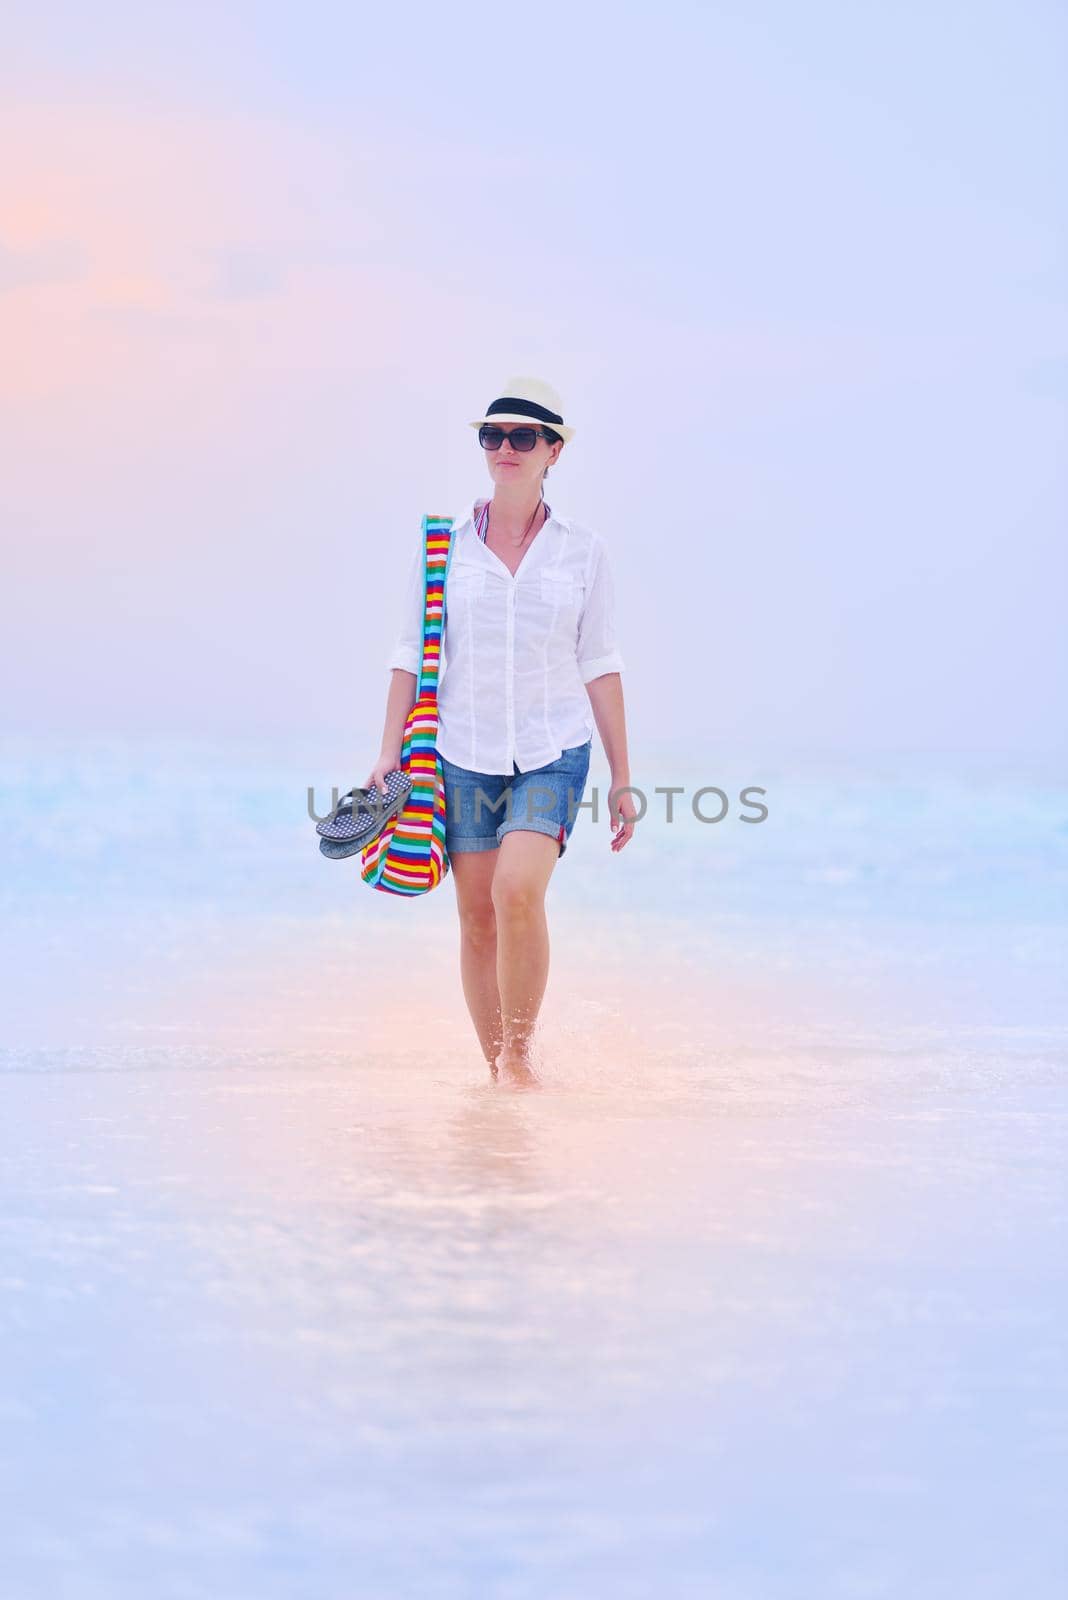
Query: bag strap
pixel 437 555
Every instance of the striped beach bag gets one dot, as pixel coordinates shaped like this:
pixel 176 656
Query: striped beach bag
pixel 409 855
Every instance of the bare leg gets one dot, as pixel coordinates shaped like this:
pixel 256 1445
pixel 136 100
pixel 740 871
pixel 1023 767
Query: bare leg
pixel 473 873
pixel 524 866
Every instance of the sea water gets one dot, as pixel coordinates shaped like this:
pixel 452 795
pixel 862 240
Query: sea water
pixel 758 1292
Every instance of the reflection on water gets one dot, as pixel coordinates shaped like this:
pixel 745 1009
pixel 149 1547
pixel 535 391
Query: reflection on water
pixel 760 1295
pixel 329 1323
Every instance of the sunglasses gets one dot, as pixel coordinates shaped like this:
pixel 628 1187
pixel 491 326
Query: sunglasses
pixel 491 438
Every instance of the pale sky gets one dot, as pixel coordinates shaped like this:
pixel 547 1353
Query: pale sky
pixel 797 271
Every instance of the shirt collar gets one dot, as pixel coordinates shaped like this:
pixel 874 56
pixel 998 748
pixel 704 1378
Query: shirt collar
pixel 466 516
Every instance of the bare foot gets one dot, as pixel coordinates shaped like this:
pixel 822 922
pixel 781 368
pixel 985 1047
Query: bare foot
pixel 517 1066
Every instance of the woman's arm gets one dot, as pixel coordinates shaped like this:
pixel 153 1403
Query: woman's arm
pixel 597 651
pixel 606 698
pixel 399 702
pixel 405 661
pixel 600 664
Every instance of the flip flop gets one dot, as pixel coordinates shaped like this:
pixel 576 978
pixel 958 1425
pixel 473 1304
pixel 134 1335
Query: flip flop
pixel 361 815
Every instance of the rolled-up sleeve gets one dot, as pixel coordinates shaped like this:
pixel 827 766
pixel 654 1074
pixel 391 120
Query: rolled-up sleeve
pixel 598 651
pixel 407 652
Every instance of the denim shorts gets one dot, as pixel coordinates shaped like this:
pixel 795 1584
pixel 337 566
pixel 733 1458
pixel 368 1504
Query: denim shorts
pixel 481 807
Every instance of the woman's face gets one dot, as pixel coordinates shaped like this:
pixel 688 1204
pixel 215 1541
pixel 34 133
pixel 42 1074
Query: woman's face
pixel 522 466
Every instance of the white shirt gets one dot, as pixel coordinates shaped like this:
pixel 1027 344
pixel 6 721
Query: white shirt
pixel 516 651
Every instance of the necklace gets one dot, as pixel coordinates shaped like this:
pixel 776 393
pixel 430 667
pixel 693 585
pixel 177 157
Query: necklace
pixel 482 523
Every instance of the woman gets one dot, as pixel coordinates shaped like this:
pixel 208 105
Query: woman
pixel 528 647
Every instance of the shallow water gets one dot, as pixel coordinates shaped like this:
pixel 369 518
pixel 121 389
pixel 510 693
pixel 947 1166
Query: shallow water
pixel 760 1293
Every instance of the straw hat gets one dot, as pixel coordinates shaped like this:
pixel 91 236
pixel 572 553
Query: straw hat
pixel 528 400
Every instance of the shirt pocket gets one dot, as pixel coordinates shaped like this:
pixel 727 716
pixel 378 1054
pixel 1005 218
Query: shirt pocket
pixel 561 588
pixel 465 585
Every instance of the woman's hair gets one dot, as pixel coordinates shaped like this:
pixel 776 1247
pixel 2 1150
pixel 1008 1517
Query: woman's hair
pixel 554 438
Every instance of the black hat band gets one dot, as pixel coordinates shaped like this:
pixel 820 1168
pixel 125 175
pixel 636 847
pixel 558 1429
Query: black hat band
pixel 525 408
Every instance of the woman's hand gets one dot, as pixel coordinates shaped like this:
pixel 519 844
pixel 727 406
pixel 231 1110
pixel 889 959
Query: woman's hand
pixel 622 810
pixel 388 761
